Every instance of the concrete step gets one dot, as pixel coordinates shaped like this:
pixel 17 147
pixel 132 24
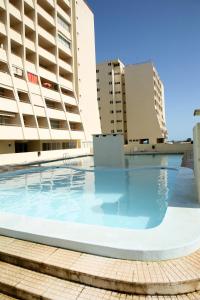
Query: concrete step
pixel 30 285
pixel 5 297
pixel 173 277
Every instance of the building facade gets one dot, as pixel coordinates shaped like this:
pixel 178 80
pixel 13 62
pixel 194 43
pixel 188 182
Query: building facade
pixel 141 95
pixel 111 97
pixel 47 75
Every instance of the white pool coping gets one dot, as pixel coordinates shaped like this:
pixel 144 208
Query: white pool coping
pixel 178 235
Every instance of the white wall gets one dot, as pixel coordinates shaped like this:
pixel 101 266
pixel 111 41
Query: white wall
pixel 28 157
pixel 196 149
pixel 163 148
pixel 87 70
pixel 108 150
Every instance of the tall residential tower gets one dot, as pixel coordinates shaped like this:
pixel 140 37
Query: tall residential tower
pixel 47 75
pixel 131 101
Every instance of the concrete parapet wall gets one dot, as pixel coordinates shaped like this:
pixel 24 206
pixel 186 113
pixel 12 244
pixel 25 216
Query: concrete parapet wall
pixel 29 157
pixel 196 136
pixel 162 148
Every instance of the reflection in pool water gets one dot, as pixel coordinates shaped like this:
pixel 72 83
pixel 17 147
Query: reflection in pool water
pixel 131 198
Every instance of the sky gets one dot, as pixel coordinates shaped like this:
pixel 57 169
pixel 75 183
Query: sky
pixel 167 32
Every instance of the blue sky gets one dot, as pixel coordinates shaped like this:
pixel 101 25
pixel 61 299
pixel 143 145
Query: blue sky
pixel 164 31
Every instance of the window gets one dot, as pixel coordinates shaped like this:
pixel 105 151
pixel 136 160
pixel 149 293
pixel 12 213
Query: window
pixel 110 73
pixel 109 64
pixel 111 92
pixel 119 101
pixel 116 65
pixel 112 121
pixel 63 23
pixel 64 41
pixel 118 111
pixel 98 98
pixel 110 82
pixel 119 121
pixel 97 80
pixel 118 92
pixel 117 82
pixel 98 90
pixel 97 71
pixel 119 130
pixel 111 102
pixel 111 111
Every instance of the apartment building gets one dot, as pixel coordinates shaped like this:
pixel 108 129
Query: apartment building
pixel 131 101
pixel 47 75
pixel 111 97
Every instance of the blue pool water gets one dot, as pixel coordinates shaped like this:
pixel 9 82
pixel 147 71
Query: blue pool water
pixel 135 197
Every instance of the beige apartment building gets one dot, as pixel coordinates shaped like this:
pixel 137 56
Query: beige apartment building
pixel 136 94
pixel 47 75
pixel 111 97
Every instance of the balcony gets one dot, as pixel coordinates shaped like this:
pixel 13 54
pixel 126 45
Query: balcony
pixel 30 44
pixel 45 34
pixel 60 134
pixel 3 55
pixel 17 61
pixel 2 5
pixel 45 15
pixel 50 2
pixel 31 67
pixel 26 108
pixel 73 117
pixel 5 79
pixel 40 111
pixel 52 94
pixel 44 134
pixel 34 88
pixel 7 104
pixel 2 28
pixel 30 3
pixel 66 83
pixel 47 55
pixel 69 100
pixel 47 74
pixel 29 23
pixel 21 84
pixel 15 12
pixel 30 133
pixel 77 135
pixel 65 65
pixel 16 36
pixel 64 31
pixel 63 14
pixel 65 49
pixel 11 132
pixel 56 114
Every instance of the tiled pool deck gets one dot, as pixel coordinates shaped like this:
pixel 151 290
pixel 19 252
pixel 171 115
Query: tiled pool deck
pixel 53 273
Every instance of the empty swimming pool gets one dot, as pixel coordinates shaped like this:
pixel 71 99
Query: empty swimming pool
pixel 135 197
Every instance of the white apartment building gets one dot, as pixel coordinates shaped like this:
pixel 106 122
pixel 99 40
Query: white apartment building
pixel 131 101
pixel 47 75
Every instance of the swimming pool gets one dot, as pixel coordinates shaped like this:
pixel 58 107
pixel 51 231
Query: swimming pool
pixel 147 211
pixel 135 197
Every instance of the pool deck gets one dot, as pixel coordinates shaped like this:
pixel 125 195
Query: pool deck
pixel 35 271
pixel 176 236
